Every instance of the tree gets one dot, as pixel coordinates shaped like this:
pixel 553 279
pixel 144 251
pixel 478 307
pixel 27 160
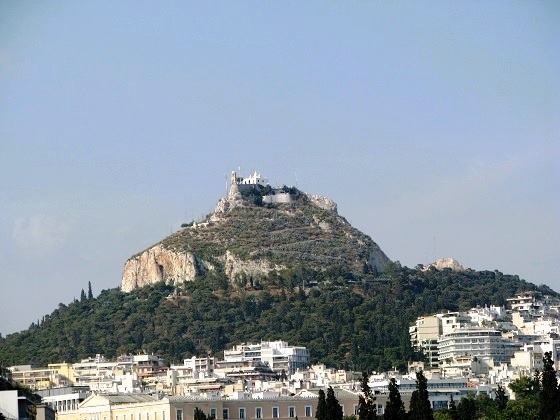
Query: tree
pixel 420 407
pixel 367 409
pixel 82 296
pixel 501 398
pixel 525 387
pixel 89 293
pixel 394 410
pixel 467 408
pixel 453 409
pixel 333 408
pixel 321 413
pixel 199 414
pixel 550 394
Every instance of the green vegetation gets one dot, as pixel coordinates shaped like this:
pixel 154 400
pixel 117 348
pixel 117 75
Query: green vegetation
pixel 420 407
pixel 367 408
pixel 536 398
pixel 394 410
pixel 332 406
pixel 294 235
pixel 360 324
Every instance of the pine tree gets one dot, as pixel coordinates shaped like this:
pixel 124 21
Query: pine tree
pixel 82 296
pixel 333 408
pixel 550 395
pixel 394 410
pixel 89 293
pixel 321 413
pixel 420 407
pixel 367 409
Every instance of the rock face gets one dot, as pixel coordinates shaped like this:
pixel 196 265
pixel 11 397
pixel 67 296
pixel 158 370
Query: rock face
pixel 446 263
pixel 160 264
pixel 242 239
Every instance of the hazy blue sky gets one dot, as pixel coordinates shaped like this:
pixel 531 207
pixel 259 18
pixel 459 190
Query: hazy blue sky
pixel 435 126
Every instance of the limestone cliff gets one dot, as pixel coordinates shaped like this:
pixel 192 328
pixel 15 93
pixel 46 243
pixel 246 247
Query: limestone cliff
pixel 243 238
pixel 445 263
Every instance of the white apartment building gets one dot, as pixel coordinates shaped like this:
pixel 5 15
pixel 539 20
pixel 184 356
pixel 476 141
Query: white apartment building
pixel 278 355
pixel 424 337
pixel 483 343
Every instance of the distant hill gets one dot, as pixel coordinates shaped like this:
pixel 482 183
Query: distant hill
pixel 267 264
pixel 255 231
pixel 359 323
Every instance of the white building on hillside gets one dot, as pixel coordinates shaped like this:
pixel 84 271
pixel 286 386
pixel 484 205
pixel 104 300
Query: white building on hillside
pixel 278 355
pixel 483 343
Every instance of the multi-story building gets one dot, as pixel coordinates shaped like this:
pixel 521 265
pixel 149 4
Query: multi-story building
pixel 483 343
pixel 424 335
pixel 278 355
pixel 64 398
pixel 18 404
pixel 56 374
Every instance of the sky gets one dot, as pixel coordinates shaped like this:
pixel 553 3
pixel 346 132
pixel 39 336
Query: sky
pixel 434 125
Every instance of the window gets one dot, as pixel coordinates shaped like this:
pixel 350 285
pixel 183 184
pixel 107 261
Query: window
pixel 241 413
pixel 213 413
pixel 380 409
pixel 308 411
pixel 179 414
pixel 258 412
pixel 225 413
pixel 292 411
pixel 275 411
pixel 356 409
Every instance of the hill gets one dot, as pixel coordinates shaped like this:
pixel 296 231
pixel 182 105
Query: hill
pixel 357 324
pixel 257 230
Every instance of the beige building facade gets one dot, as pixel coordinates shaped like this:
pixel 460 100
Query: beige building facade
pixel 238 406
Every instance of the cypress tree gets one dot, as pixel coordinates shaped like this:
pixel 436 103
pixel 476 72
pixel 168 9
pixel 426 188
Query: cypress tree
pixel 550 395
pixel 453 409
pixel 199 414
pixel 420 407
pixel 89 293
pixel 367 409
pixel 501 398
pixel 333 408
pixel 321 413
pixel 394 410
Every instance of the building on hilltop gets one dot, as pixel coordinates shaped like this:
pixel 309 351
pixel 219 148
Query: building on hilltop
pixel 254 179
pixel 259 184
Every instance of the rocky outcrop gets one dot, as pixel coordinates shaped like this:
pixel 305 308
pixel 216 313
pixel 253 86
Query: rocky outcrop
pixel 445 263
pixel 159 264
pixel 322 202
pixel 235 266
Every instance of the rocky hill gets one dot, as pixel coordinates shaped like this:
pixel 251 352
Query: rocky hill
pixel 247 238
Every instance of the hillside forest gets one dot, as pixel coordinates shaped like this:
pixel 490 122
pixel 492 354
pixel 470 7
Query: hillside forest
pixel 356 323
